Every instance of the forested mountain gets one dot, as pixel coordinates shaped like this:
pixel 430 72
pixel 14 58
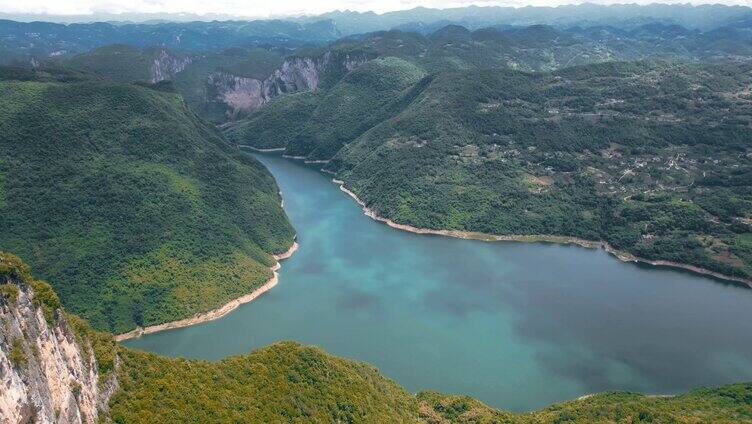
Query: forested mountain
pixel 228 84
pixel 23 41
pixel 652 157
pixel 41 344
pixel 703 17
pixel 134 209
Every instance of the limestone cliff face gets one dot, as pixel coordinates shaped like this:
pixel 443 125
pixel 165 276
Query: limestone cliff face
pixel 166 65
pixel 46 374
pixel 242 94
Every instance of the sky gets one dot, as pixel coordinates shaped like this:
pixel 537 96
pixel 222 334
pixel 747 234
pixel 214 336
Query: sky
pixel 266 8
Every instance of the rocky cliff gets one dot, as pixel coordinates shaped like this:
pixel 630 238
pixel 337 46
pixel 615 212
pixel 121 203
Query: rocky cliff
pixel 165 65
pixel 48 369
pixel 241 94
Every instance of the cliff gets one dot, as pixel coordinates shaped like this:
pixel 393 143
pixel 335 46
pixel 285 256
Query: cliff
pixel 242 94
pixel 48 369
pixel 165 65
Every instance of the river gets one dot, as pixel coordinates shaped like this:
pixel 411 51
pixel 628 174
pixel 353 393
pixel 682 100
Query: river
pixel 516 325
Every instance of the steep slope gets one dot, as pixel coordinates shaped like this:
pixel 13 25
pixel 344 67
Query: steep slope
pixel 137 212
pixel 284 382
pixel 125 63
pixel 651 157
pixel 726 404
pixel 351 99
pixel 35 41
pixel 366 96
pixel 53 368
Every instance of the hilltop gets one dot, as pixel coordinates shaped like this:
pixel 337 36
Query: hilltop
pixel 652 157
pixel 133 208
pixel 283 382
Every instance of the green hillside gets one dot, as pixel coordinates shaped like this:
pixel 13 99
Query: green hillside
pixel 653 157
pixel 276 124
pixel 290 383
pixel 318 125
pixel 284 382
pixel 136 211
pixel 117 62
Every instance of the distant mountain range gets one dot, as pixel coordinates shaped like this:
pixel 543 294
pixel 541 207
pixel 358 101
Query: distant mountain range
pixel 24 40
pixel 21 41
pixel 704 17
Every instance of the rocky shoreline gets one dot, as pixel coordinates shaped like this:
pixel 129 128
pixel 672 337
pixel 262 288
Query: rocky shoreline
pixel 590 244
pixel 217 312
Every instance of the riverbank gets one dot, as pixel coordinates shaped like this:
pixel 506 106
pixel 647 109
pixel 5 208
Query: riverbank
pixel 256 149
pixel 590 244
pixel 306 160
pixel 217 312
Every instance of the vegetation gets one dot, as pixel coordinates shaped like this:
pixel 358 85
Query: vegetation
pixel 276 124
pixel 652 157
pixel 135 210
pixel 726 404
pixel 17 355
pixel 290 383
pixel 287 382
pixel 284 382
pixel 117 62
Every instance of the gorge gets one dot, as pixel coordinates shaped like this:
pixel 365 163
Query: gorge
pixel 516 325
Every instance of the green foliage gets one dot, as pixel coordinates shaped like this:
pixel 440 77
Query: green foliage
pixel 17 355
pixel 284 382
pixel 290 383
pixel 257 63
pixel 9 292
pixel 725 404
pixel 364 97
pixel 642 155
pixel 276 124
pixel 13 269
pixel 117 62
pixel 287 382
pixel 135 210
pixel 46 298
pixel 103 344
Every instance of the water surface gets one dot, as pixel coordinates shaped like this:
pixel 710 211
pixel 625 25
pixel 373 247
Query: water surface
pixel 517 325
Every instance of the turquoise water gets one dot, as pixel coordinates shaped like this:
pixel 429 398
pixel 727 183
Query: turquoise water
pixel 516 325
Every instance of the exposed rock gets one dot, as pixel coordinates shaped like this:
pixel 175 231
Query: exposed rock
pixel 166 65
pixel 46 376
pixel 241 94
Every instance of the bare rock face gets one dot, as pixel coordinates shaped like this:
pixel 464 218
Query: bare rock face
pixel 46 376
pixel 166 65
pixel 242 94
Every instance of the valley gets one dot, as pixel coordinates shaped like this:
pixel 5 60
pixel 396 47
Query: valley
pixel 477 214
pixel 412 304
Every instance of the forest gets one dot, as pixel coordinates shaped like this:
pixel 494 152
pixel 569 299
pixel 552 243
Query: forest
pixel 135 210
pixel 652 157
pixel 289 382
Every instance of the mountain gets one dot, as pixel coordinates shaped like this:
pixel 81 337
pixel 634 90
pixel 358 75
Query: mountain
pixel 703 17
pixel 651 157
pixel 124 63
pixel 135 210
pixel 55 368
pixel 227 84
pixel 21 42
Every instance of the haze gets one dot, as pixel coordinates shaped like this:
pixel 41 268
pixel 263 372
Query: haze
pixel 88 10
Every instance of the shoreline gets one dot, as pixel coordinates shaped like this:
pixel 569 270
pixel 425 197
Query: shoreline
pixel 590 244
pixel 305 159
pixel 256 149
pixel 218 312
